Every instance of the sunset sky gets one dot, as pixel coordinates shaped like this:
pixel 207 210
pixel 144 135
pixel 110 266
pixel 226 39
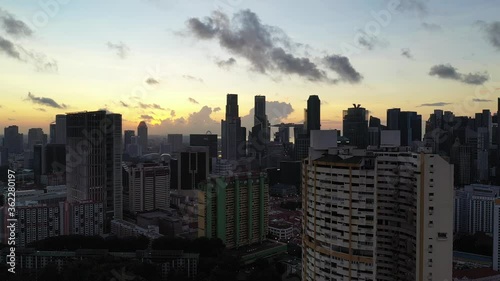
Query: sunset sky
pixel 171 63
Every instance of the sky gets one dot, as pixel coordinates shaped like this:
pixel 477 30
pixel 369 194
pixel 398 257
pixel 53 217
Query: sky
pixel 172 62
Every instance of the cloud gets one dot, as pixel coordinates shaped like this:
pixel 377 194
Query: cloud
pixel 192 78
pixel 152 81
pixel 191 100
pixel 492 32
pixel 14 26
pixel 226 64
pixel 39 60
pixel 343 68
pixel 45 101
pixel 449 72
pixel 276 112
pixel 121 49
pixel 267 48
pixel 406 53
pixel 123 104
pixel 419 7
pixel 8 48
pixel 41 109
pixel 147 117
pixel 150 106
pixel 217 109
pixel 439 104
pixel 481 100
pixel 172 113
pixel 432 27
pixel 197 122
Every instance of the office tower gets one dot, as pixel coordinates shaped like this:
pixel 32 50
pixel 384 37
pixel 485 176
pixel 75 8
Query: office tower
pixel 38 162
pixel 147 186
pixel 55 163
pixel 374 136
pixel 388 216
pixel 496 235
pixel 127 138
pixel 209 141
pixel 60 129
pixel 482 154
pixel 393 118
pixel 13 140
pixel 193 167
pixel 474 204
pixel 374 122
pixel 233 135
pixel 175 141
pixel 313 113
pixel 234 209
pixel 52 133
pixel 142 132
pixel 134 149
pixel 355 126
pixel 94 155
pixel 416 127
pixel 406 120
pixel 462 158
pixel 259 137
pixel 36 136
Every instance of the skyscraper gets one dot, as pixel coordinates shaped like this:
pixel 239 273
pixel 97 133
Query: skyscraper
pixel 233 135
pixel 60 129
pixel 93 166
pixel 393 118
pixel 355 126
pixel 175 141
pixel 209 141
pixel 313 114
pixel 13 140
pixel 259 137
pixel 127 138
pixel 36 136
pixel 52 133
pixel 142 132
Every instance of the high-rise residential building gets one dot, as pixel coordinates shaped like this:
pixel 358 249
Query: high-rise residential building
pixel 127 138
pixel 313 114
pixel 60 129
pixel 142 132
pixel 474 208
pixel 234 209
pixel 175 141
pixel 94 156
pixel 355 126
pixel 377 215
pixel 233 135
pixel 146 186
pixel 13 140
pixel 496 235
pixel 36 136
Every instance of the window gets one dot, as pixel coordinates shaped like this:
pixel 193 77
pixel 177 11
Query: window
pixel 442 235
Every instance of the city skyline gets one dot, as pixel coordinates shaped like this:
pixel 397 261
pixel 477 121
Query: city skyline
pixel 166 62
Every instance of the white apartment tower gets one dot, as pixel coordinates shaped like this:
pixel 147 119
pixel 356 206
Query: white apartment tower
pixel 377 215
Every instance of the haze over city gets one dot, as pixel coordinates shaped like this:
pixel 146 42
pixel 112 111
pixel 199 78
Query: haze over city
pixel 171 63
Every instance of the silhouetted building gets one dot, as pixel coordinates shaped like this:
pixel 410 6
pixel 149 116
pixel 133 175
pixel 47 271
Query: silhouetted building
pixel 192 167
pixel 127 138
pixel 259 137
pixel 355 126
pixel 175 141
pixel 209 141
pixel 60 129
pixel 36 136
pixel 233 135
pixel 52 132
pixel 313 114
pixel 13 140
pixel 95 175
pixel 55 161
pixel 142 132
pixel 393 118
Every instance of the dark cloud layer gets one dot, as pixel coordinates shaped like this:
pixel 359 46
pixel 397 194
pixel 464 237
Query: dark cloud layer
pixel 492 32
pixel 449 72
pixel 267 48
pixel 343 68
pixel 9 49
pixel 481 100
pixel 438 104
pixel 150 106
pixel 152 81
pixel 191 100
pixel 40 61
pixel 45 101
pixel 14 26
